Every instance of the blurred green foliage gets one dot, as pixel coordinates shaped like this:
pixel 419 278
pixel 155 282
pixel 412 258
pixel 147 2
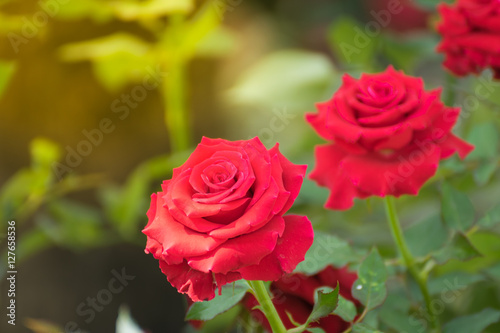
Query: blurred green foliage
pixel 452 227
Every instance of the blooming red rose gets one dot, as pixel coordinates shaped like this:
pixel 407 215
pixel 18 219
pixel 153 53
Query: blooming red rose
pixel 294 293
pixel 388 135
pixel 398 15
pixel 471 36
pixel 220 218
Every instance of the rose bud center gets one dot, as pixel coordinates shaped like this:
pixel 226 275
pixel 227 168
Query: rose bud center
pixel 377 93
pixel 219 176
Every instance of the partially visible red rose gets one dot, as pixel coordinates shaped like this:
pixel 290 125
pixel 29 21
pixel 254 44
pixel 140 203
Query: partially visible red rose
pixel 387 137
pixel 471 36
pixel 399 15
pixel 294 293
pixel 220 218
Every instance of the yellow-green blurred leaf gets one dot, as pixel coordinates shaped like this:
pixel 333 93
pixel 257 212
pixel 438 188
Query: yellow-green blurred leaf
pixel 118 59
pixel 44 152
pixel 104 47
pixel 133 10
pixel 7 69
pixel 217 43
pixel 10 23
pixel 42 326
pixel 97 10
pixel 195 30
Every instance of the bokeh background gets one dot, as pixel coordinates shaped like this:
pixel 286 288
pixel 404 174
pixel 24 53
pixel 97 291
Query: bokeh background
pixel 145 80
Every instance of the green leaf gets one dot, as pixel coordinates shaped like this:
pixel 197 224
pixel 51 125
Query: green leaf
pixel 229 297
pixel 459 248
pixel 7 69
pixel 149 9
pixel 316 330
pixel 491 218
pixel 426 236
pixel 345 309
pixel 363 328
pixel 370 287
pixel 405 53
pixel 494 271
pixel 118 58
pixel 455 282
pixel 205 21
pixel 485 138
pixel 351 44
pixel 31 242
pixel 401 322
pixel 475 323
pixel 456 208
pixel 26 189
pixel 217 43
pixel 485 171
pixel 16 191
pixel 126 206
pixel 94 9
pixel 327 250
pixel 395 312
pixel 72 224
pixel 324 305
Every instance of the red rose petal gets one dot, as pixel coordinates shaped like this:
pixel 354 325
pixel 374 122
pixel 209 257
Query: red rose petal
pixel 255 216
pixel 197 285
pixel 403 173
pixel 318 122
pixel 277 174
pixel 247 249
pixel 299 285
pixel 180 194
pixel 398 140
pixel 327 172
pixel 288 253
pixel 292 177
pixel 177 240
pixel 453 144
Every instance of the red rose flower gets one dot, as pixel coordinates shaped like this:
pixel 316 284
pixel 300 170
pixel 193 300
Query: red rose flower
pixel 220 218
pixel 388 136
pixel 294 293
pixel 471 36
pixel 398 16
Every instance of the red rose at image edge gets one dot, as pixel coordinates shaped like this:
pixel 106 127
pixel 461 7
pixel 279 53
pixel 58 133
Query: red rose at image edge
pixel 471 36
pixel 387 137
pixel 294 293
pixel 220 218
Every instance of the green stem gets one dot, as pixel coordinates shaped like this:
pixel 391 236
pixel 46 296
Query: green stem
pixel 397 235
pixel 174 91
pixel 450 94
pixel 266 305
